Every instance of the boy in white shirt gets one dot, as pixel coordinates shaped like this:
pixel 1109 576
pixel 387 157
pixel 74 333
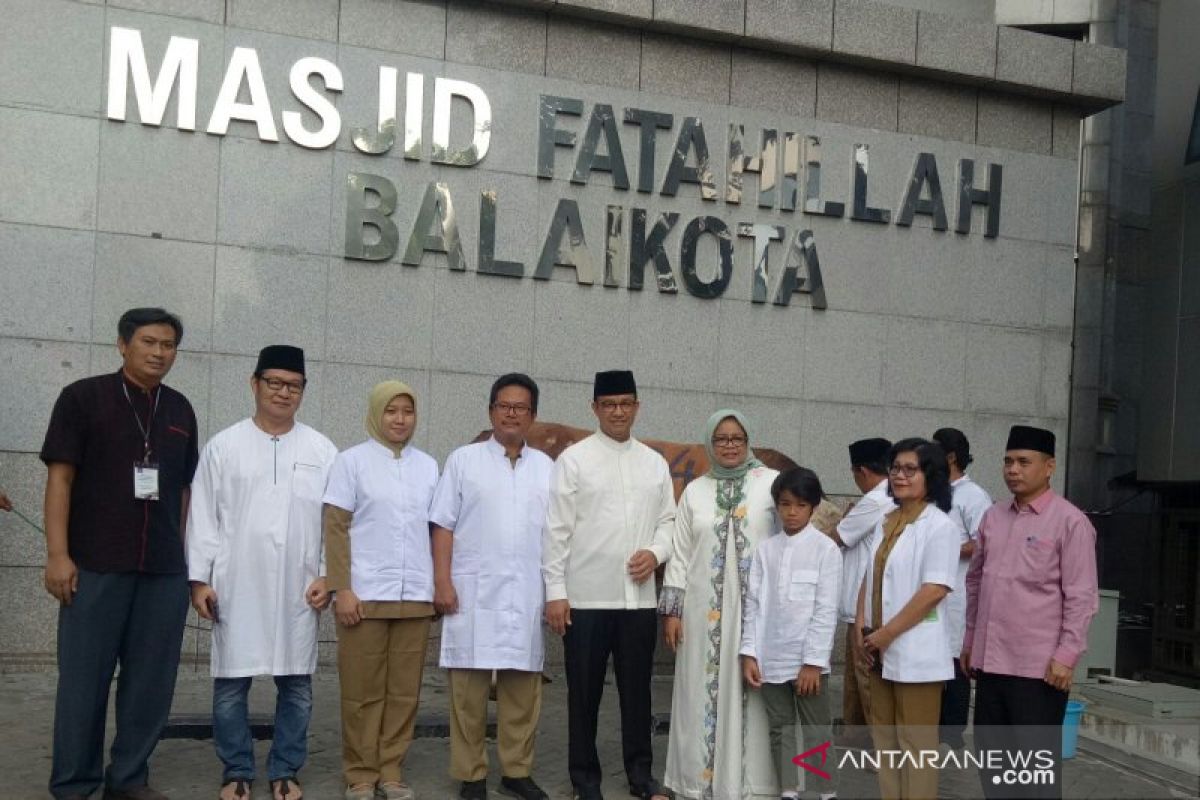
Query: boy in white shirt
pixel 788 623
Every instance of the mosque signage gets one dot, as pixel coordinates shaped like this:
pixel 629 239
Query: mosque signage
pixel 573 138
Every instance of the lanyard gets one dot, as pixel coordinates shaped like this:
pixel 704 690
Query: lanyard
pixel 143 429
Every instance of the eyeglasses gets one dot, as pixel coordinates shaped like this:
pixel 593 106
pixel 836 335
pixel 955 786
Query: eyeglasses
pixel 517 409
pixel 278 385
pixel 609 406
pixel 729 441
pixel 907 470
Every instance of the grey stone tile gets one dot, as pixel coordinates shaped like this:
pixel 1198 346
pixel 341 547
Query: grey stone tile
pixel 826 431
pixel 457 410
pixel 569 317
pixel 1066 132
pixel 345 388
pixel 695 70
pixel 777 369
pixel 23 479
pixel 390 319
pixel 940 110
pixel 954 44
pixel 924 363
pixel 670 414
pixel 501 38
pixel 684 360
pixel 41 369
pixel 263 298
pixel 1099 71
pixel 1014 273
pixel 482 323
pixel 35 619
pixel 843 357
pixel 58 190
pixel 806 24
pixel 566 402
pixel 593 52
pixel 1004 370
pixel 857 97
pixel 205 10
pixel 1187 443
pixel 901 423
pixel 874 29
pixel 400 26
pixel 1015 123
pixel 779 83
pixel 135 271
pixel 720 16
pixel 310 19
pixel 1056 375
pixel 38 264
pixel 56 66
pixel 640 9
pixel 158 181
pixel 274 196
pixel 1034 59
pixel 1047 211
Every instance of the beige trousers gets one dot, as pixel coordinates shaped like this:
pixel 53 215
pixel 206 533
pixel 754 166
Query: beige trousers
pixel 380 662
pixel 856 687
pixel 904 716
pixel 518 706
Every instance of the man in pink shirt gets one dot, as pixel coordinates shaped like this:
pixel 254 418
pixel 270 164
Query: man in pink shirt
pixel 1031 594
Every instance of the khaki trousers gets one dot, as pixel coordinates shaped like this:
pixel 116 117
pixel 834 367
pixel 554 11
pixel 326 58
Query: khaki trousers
pixel 518 706
pixel 856 687
pixel 380 662
pixel 904 716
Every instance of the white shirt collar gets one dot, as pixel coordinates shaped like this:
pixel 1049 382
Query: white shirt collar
pixel 496 448
pixel 608 441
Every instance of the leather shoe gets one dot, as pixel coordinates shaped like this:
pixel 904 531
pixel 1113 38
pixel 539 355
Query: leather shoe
pixel 473 790
pixel 133 793
pixel 522 788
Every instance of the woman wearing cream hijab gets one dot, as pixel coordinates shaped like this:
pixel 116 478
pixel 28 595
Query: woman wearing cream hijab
pixel 380 566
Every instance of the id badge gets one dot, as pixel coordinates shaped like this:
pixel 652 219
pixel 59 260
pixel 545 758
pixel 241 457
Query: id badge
pixel 145 481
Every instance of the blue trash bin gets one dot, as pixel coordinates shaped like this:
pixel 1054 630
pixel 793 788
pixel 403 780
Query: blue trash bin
pixel 1070 731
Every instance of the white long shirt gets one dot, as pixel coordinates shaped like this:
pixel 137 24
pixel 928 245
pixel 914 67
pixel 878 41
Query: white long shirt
pixel 608 499
pixel 390 555
pixel 968 502
pixel 496 510
pixel 791 608
pixel 926 552
pixel 254 536
pixel 857 532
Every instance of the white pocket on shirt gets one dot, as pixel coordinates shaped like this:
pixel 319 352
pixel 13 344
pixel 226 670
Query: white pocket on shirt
pixel 803 586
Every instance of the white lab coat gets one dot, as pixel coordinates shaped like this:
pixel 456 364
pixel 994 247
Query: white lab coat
pixel 790 614
pixel 254 536
pixel 496 511
pixel 926 552
pixel 390 557
pixel 969 501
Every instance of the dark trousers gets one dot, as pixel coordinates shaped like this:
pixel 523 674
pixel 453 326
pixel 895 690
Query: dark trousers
pixel 1022 716
pixel 135 620
pixel 956 707
pixel 630 637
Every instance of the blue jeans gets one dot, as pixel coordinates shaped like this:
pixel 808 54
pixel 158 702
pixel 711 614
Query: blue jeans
pixel 231 727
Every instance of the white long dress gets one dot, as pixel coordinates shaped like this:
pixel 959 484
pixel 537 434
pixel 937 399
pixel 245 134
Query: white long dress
pixel 719 746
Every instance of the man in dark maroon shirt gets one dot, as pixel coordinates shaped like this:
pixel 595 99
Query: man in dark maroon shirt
pixel 121 450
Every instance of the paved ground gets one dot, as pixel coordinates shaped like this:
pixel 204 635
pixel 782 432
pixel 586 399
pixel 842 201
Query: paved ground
pixel 188 769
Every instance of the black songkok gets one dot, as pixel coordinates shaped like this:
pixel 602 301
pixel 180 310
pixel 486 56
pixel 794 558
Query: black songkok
pixel 280 356
pixel 614 381
pixel 1023 437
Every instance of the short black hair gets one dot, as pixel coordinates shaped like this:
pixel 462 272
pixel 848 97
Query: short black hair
pixel 952 440
pixel 515 379
pixel 802 482
pixel 932 460
pixel 136 318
